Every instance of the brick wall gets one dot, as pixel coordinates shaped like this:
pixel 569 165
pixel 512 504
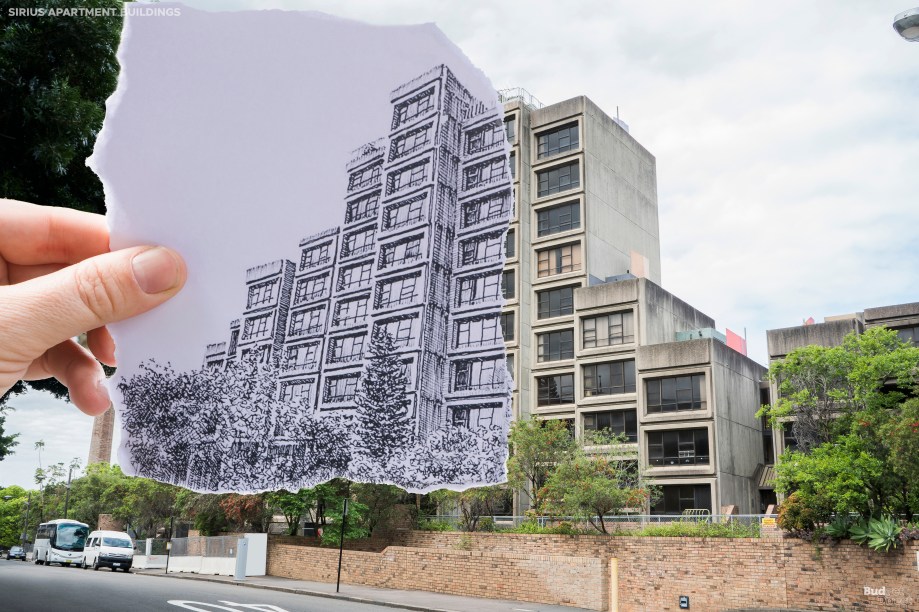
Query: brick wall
pixel 567 580
pixel 720 574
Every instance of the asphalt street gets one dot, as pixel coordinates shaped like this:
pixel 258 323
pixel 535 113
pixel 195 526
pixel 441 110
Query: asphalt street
pixel 25 586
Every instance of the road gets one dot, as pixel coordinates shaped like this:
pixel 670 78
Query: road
pixel 26 587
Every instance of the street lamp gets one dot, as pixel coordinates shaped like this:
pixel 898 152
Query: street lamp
pixel 907 24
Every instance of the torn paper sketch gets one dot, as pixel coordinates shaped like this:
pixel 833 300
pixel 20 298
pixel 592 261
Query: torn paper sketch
pixel 343 219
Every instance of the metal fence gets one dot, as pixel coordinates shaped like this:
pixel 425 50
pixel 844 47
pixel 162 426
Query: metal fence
pixel 201 546
pixel 613 523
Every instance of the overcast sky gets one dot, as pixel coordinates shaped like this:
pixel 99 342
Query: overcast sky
pixel 786 136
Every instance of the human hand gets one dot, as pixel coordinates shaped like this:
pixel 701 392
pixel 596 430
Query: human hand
pixel 58 280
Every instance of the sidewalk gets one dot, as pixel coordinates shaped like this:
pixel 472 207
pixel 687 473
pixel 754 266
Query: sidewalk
pixel 407 600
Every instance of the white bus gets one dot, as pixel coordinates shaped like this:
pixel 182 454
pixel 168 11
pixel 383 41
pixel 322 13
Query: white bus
pixel 60 541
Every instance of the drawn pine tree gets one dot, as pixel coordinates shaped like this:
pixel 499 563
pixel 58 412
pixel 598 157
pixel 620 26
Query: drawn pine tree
pixel 382 421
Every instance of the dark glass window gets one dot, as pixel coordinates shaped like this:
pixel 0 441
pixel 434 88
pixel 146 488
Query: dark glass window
pixel 556 345
pixel 559 178
pixel 788 435
pixel 555 302
pixel 909 334
pixel 678 447
pixel 557 141
pixel 609 378
pixel 614 421
pixel 677 498
pixel 510 244
pixel 507 325
pixel 768 448
pixel 512 161
pixel 558 219
pixel 553 390
pixel 510 128
pixel 608 330
pixel 676 393
pixel 508 284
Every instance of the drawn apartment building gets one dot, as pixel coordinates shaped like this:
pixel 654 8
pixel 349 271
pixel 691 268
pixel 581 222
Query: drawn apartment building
pixel 419 254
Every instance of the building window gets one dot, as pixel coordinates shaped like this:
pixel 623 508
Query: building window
pixel 555 390
pixel 263 293
pixel 558 179
pixel 608 330
pixel 617 422
pixel 510 366
pixel 559 260
pixel 788 437
pixel 478 331
pixel 909 334
pixel 365 177
pixel 479 289
pixel 675 499
pixel 676 393
pixel 401 330
pixel 397 291
pixel 512 162
pixel 257 327
pixel 508 284
pixel 554 346
pixel 346 349
pixel 358 243
pixel 307 321
pixel 413 107
pixel 310 288
pixel 557 219
pixel 557 141
pixel 486 137
pixel 609 378
pixel 301 356
pixel 481 249
pixel 478 375
pixel 496 206
pixel 678 447
pixel 510 128
pixel 315 256
pixel 354 276
pixel 296 391
pixel 507 325
pixel 484 173
pixel 351 311
pixel 362 208
pixel 403 213
pixel 554 302
pixel 510 244
pixel 402 252
pixel 410 142
pixel 406 177
pixel 340 388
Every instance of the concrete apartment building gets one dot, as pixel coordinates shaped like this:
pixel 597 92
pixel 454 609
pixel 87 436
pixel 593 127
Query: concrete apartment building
pixel 592 338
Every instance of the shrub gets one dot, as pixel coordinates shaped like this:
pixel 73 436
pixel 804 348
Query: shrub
pixel 435 525
pixel 839 528
pixel 733 529
pixel 883 533
pixel 799 513
pixel 486 523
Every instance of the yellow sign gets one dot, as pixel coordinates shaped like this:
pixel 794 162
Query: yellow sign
pixel 768 522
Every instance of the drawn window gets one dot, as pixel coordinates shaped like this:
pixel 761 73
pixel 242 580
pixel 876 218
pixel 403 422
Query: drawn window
pixel 404 213
pixel 402 330
pixel 508 284
pixel 365 177
pixel 301 356
pixel 346 349
pixel 297 390
pixel 354 276
pixel 676 393
pixel 402 252
pixel 558 260
pixel 404 178
pixel 608 330
pixel 397 291
pixel 358 243
pixel 481 249
pixel 474 417
pixel 495 206
pixel 234 341
pixel 554 302
pixel 557 141
pixel 479 289
pixel 678 447
pixel 307 321
pixel 557 219
pixel 613 421
pixel 609 378
pixel 413 107
pixel 479 374
pixel 340 388
pixel 484 173
pixel 555 346
pixel 315 256
pixel 507 326
pixel 263 293
pixel 310 288
pixel 478 331
pixel 351 311
pixel 410 142
pixel 364 207
pixel 486 137
pixel 257 327
pixel 557 179
pixel 555 390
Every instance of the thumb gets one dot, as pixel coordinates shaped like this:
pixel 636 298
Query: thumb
pixel 95 292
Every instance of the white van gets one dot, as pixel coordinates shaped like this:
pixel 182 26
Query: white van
pixel 113 549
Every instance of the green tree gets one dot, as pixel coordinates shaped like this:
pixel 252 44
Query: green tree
pixel 7 442
pixel 473 503
pixel 292 505
pixel 537 446
pixel 380 500
pixel 12 514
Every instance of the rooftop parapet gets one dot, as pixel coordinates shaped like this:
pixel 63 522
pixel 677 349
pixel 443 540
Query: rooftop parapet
pixel 264 270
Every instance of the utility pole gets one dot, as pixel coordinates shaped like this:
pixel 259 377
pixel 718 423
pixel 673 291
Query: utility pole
pixel 25 522
pixel 67 495
pixel 341 538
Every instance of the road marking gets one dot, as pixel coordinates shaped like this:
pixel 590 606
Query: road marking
pixel 258 607
pixel 523 610
pixel 193 605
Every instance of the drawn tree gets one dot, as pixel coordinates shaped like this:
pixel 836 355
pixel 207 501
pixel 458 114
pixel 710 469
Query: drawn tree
pixel 382 422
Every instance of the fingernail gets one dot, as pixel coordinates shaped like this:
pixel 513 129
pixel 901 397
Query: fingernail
pixel 155 270
pixel 102 390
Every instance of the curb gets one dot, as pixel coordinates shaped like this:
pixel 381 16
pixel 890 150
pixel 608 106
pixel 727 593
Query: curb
pixel 283 589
